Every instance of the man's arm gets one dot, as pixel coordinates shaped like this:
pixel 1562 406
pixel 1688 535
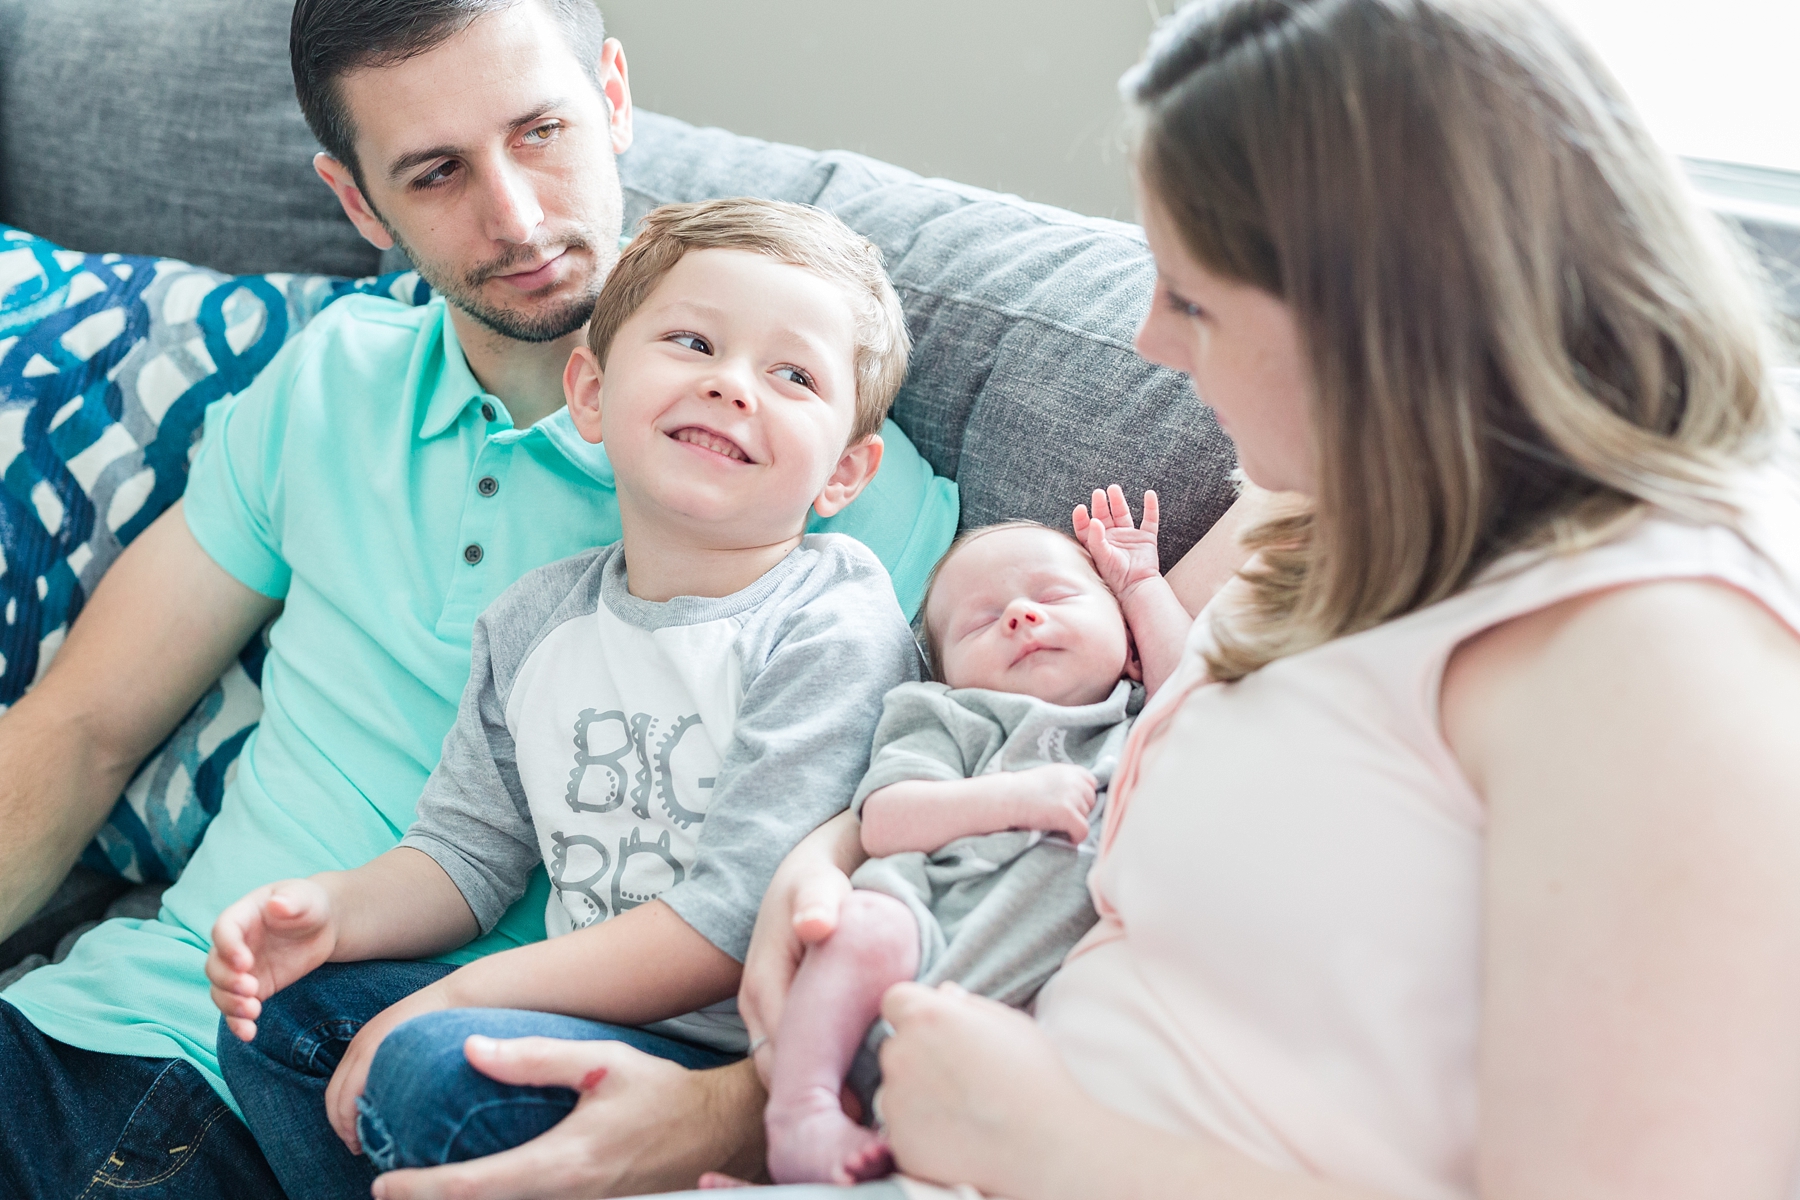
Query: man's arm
pixel 162 626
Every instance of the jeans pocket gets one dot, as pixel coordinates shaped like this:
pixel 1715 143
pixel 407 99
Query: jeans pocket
pixel 163 1136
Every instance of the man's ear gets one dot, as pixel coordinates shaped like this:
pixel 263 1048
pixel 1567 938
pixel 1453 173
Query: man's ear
pixel 615 85
pixel 342 183
pixel 854 470
pixel 581 388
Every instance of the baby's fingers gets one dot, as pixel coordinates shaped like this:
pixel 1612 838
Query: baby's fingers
pixel 1080 519
pixel 1152 510
pixel 1121 511
pixel 1074 826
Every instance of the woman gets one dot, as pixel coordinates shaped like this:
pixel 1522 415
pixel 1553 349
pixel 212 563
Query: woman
pixel 1478 873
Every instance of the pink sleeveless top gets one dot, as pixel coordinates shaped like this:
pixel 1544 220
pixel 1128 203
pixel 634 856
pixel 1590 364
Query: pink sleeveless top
pixel 1289 883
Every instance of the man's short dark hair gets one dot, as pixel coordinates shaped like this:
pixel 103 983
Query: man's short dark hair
pixel 331 38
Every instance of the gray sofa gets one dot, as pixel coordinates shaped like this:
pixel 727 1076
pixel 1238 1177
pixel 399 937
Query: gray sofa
pixel 170 129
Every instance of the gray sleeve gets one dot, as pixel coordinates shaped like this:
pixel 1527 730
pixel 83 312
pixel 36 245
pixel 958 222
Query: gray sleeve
pixel 473 818
pixel 913 741
pixel 800 744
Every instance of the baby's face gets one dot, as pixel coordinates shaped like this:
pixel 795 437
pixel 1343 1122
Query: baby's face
pixel 1021 610
pixel 728 397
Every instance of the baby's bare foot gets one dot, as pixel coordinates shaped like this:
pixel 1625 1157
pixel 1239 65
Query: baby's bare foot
pixel 812 1141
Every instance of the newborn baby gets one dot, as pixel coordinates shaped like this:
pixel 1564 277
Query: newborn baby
pixel 983 794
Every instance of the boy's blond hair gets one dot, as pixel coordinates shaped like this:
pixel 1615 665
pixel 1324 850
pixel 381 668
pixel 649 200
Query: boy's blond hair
pixel 797 234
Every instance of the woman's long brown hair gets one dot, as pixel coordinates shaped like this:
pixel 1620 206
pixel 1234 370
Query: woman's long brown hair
pixel 1519 328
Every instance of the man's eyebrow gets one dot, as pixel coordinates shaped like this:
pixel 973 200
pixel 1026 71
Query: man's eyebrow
pixel 418 158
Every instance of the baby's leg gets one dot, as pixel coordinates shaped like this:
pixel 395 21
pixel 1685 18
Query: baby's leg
pixel 835 998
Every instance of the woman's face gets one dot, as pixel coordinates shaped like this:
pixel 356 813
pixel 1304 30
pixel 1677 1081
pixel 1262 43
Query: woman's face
pixel 1241 348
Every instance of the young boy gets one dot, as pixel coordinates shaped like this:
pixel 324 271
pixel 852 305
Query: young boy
pixel 978 805
pixel 658 721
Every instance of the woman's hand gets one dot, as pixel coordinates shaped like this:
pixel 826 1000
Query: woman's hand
pixel 352 1074
pixel 799 909
pixel 973 1092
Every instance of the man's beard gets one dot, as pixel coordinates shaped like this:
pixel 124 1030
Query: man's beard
pixel 464 291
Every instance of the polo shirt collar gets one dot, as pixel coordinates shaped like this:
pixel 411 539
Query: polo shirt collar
pixel 456 387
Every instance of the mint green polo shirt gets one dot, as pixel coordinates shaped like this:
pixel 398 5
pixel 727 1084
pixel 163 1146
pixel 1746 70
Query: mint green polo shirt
pixel 366 480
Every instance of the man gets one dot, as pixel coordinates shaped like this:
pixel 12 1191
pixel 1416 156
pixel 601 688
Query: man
pixel 389 474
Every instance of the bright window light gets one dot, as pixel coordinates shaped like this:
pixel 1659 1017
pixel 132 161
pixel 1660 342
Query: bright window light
pixel 1714 79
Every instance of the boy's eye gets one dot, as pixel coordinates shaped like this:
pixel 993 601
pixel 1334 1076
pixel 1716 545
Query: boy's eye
pixel 691 341
pixel 797 375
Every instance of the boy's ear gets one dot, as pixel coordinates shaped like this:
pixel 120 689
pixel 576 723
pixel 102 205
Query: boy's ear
pixel 356 206
pixel 854 470
pixel 581 388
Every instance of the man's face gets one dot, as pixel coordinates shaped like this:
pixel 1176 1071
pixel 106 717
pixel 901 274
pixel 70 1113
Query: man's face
pixel 489 160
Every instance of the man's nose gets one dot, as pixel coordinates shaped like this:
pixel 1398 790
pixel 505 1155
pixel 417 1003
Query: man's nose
pixel 514 213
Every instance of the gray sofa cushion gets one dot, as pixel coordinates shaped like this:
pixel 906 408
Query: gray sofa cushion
pixel 1024 385
pixel 166 128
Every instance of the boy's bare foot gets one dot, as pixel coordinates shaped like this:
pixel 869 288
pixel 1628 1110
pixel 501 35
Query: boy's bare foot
pixel 812 1141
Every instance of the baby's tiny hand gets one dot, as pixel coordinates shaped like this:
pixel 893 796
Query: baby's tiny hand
pixel 1057 799
pixel 1123 554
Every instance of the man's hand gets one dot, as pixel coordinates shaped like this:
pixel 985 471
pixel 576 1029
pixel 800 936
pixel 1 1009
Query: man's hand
pixel 1056 798
pixel 641 1125
pixel 1125 555
pixel 262 943
pixel 352 1074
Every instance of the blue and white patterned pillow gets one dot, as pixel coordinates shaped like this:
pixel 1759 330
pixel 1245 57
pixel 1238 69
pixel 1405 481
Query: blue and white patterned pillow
pixel 107 365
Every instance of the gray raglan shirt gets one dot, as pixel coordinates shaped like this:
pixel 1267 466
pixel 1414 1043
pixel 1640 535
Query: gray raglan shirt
pixel 672 751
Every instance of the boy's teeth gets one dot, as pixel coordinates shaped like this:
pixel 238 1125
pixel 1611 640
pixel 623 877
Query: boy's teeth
pixel 718 445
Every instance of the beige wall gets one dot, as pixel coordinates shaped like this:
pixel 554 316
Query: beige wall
pixel 1016 95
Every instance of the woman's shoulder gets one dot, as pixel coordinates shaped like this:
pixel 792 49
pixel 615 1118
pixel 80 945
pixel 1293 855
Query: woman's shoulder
pixel 1665 627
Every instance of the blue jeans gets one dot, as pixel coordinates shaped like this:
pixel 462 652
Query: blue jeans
pixel 81 1123
pixel 423 1104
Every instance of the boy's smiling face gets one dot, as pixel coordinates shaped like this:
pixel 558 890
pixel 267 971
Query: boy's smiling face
pixel 728 397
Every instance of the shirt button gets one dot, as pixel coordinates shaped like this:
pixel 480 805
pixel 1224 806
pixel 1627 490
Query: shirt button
pixel 487 485
pixel 487 411
pixel 471 554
